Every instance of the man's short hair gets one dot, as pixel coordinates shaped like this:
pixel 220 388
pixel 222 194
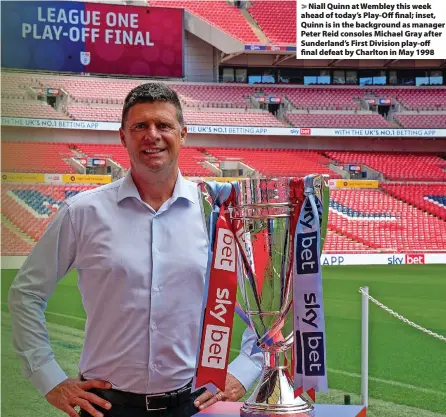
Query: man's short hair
pixel 149 93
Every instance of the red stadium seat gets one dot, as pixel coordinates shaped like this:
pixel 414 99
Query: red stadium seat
pixel 13 244
pixel 280 162
pixel 384 223
pixel 189 162
pixel 422 121
pixel 398 217
pixel 45 157
pixel 218 13
pixel 396 166
pixel 30 108
pixel 426 197
pixel 276 19
pixel 336 242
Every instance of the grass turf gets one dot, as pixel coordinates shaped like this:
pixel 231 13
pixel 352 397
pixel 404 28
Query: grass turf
pixel 406 366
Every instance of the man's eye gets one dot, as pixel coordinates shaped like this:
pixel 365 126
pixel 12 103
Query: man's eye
pixel 140 126
pixel 163 126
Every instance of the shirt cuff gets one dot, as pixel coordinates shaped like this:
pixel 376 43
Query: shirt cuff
pixel 245 370
pixel 47 377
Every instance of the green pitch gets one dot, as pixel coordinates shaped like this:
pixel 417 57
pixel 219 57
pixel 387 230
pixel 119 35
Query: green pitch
pixel 407 367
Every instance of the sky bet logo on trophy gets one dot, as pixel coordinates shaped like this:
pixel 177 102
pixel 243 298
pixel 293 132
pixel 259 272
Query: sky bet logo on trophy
pixel 265 241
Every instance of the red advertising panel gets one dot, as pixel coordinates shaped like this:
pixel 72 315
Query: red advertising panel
pixel 137 41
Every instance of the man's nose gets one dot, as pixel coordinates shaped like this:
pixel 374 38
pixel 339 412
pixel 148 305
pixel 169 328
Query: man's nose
pixel 152 133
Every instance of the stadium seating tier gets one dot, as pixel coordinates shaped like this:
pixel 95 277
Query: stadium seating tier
pixel 422 121
pixel 427 197
pixel 13 244
pixel 276 19
pixel 383 222
pixel 360 221
pixel 32 109
pixel 396 166
pixel 335 242
pixel 279 162
pixel 191 117
pixel 35 157
pixel 189 160
pixel 218 13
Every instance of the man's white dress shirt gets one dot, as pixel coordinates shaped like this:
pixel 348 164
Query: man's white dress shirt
pixel 141 277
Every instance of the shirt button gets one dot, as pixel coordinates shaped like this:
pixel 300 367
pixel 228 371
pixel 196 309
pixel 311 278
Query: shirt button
pixel 156 289
pixel 152 366
pixel 153 326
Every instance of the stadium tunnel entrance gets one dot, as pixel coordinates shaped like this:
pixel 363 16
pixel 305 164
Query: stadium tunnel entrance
pixel 273 108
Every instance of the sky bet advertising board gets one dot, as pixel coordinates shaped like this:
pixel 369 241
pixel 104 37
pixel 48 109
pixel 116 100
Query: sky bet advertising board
pixel 68 36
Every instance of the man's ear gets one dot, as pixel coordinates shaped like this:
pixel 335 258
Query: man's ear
pixel 122 137
pixel 183 135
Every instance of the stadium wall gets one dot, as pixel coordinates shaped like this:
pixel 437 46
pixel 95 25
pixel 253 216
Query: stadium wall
pixel 200 60
pixel 10 133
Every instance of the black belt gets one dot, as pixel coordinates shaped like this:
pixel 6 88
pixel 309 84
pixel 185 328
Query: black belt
pixel 146 401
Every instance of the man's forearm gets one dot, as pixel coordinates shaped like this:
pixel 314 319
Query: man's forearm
pixel 247 366
pixel 49 261
pixel 31 341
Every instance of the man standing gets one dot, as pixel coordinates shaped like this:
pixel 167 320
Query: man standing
pixel 140 247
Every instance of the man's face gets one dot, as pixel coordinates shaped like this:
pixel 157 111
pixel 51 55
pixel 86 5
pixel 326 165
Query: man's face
pixel 153 136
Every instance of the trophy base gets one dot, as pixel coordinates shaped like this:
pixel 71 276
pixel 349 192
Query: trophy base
pixel 274 397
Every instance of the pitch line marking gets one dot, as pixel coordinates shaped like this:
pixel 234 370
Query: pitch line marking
pixel 388 381
pixel 381 380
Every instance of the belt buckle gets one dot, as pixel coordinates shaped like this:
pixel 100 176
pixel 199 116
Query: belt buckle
pixel 148 399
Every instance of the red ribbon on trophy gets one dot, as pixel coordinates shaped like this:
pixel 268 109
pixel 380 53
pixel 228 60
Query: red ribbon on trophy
pixel 213 357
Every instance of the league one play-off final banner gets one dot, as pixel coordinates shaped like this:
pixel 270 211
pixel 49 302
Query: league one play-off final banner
pixel 71 36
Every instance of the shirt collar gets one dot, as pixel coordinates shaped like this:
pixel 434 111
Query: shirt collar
pixel 182 189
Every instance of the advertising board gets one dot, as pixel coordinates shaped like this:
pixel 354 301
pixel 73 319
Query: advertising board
pixel 70 36
pixel 340 259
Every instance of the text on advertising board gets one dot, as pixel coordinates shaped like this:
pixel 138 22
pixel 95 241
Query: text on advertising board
pixel 228 130
pixel 93 37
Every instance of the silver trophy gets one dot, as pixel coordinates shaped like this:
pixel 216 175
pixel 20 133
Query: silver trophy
pixel 262 215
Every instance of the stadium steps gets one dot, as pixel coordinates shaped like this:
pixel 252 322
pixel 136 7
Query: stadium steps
pixel 395 123
pixel 215 159
pixel 16 230
pixel 337 169
pixel 81 154
pixel 340 233
pixel 359 102
pixel 68 114
pixel 372 174
pixel 352 237
pixel 78 152
pixel 255 27
pixel 285 116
